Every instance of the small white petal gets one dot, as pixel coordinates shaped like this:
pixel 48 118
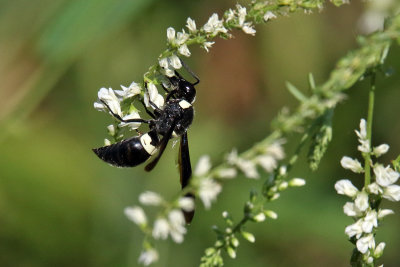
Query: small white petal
pixel 160 229
pixel 227 173
pixel 374 188
pixel 248 167
pixel 361 201
pixel 296 182
pixel 379 250
pixel 369 221
pixel 384 212
pixel 171 34
pixel 207 45
pixel 184 50
pixel 351 210
pixel 362 134
pixel 365 243
pixel 271 214
pixel 385 175
pixel 132 125
pixel 268 162
pixel 148 257
pixel 111 129
pixel 186 203
pixel 203 166
pixel 354 229
pixel 136 214
pixel 163 63
pixel 191 25
pixel 380 150
pixel 345 187
pixel 175 62
pixel 107 142
pixel 150 198
pixel 208 191
pixel 269 15
pixel 351 164
pixel 260 217
pixel 248 29
pixel 392 193
pixel 181 37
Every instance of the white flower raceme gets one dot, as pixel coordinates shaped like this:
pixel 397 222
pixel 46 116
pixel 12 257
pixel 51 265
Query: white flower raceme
pixel 351 164
pixel 153 96
pixel 130 91
pixel 150 198
pixel 208 191
pixel 345 187
pixel 148 256
pixel 136 214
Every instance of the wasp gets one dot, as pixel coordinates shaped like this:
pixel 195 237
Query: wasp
pixel 173 119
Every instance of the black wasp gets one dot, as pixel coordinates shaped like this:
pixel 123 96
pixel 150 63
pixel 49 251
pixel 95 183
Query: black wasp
pixel 174 119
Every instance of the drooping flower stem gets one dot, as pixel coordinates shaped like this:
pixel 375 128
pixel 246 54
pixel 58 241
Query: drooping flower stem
pixel 367 165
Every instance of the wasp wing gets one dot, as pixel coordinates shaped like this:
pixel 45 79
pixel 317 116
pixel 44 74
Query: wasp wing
pixel 163 145
pixel 185 170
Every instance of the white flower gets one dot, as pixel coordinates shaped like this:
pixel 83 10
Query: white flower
pixel 207 45
pixel 365 146
pixel 384 212
pixel 191 25
pixel 345 187
pixel 268 162
pixel 177 225
pixel 230 15
pixel 111 129
pixel 153 95
pixel 369 221
pixel 271 214
pixel 297 182
pixel 351 210
pixel 260 217
pixel 385 176
pixel 380 150
pixel 276 150
pixel 269 15
pixel 248 236
pixel 203 166
pixel 181 37
pixel 136 214
pixel 379 250
pixel 107 142
pixel 227 173
pixel 248 29
pixel 214 25
pixel 184 50
pixel 361 201
pixel 392 193
pixel 175 62
pixel 351 164
pixel 150 198
pixel 362 134
pixel 109 97
pixel 130 91
pixel 208 191
pixel 132 125
pixel 186 203
pixel 148 256
pixel 354 229
pixel 365 243
pixel 248 167
pixel 374 188
pixel 283 170
pixel 160 229
pixel 171 35
pixel 241 12
pixel 232 157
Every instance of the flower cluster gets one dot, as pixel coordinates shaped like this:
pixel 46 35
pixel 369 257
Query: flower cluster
pixel 172 224
pixel 364 208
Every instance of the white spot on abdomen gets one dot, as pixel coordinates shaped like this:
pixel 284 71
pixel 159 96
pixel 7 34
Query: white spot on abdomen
pixel 145 140
pixel 184 104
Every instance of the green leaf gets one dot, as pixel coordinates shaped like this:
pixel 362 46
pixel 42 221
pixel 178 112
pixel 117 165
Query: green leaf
pixel 295 92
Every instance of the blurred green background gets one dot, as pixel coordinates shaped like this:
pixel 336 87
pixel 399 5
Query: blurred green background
pixel 61 206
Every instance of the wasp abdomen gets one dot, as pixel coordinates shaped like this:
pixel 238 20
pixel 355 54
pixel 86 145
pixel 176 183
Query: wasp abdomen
pixel 127 153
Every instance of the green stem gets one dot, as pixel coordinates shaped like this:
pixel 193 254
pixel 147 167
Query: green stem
pixel 367 167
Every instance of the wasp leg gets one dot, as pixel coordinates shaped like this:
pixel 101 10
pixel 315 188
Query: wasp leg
pixel 118 117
